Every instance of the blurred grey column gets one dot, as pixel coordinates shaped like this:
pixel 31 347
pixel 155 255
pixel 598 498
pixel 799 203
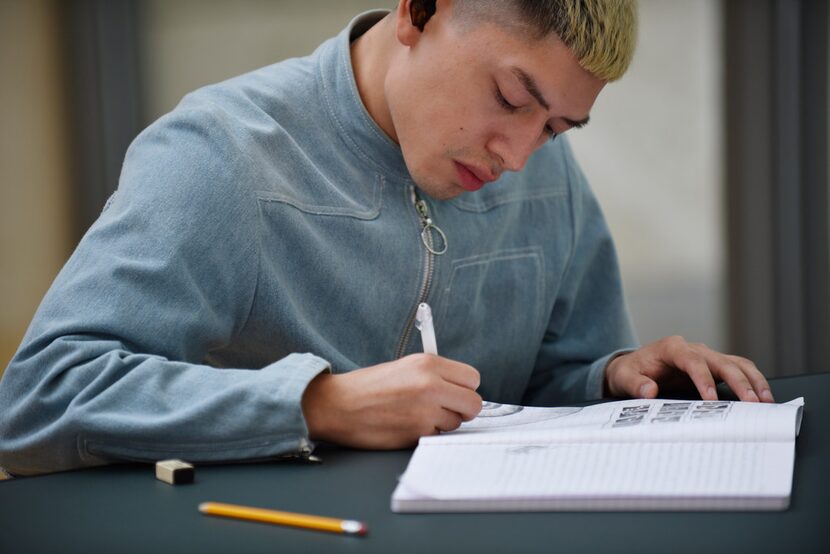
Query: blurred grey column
pixel 777 183
pixel 100 38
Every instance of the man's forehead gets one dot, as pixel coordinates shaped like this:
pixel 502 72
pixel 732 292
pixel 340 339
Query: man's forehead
pixel 545 66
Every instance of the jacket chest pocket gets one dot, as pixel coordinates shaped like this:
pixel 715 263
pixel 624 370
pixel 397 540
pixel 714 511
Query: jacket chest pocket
pixel 492 317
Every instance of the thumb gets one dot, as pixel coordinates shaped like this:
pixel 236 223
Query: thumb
pixel 643 387
pixel 623 379
pixel 636 385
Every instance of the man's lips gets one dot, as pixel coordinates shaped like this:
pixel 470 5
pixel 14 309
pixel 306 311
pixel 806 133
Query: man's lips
pixel 473 178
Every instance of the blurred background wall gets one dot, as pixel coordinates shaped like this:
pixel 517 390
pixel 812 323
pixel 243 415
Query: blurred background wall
pixel 654 155
pixel 35 237
pixel 654 151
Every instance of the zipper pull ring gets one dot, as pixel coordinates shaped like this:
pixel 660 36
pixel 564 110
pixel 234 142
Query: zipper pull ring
pixel 429 227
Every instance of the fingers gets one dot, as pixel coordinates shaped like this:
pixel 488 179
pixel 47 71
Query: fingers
pixel 759 382
pixel 735 378
pixel 457 373
pixel 449 384
pixel 448 421
pixel 461 400
pixel 640 373
pixel 681 355
pixel 637 374
pixel 741 375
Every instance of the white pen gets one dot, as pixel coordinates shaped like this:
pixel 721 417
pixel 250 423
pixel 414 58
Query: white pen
pixel 423 321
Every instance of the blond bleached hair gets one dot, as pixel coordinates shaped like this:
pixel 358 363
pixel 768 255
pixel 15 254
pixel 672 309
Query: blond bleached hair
pixel 602 34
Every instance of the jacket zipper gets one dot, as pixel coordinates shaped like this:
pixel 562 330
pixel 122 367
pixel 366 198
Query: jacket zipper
pixel 428 227
pixel 303 453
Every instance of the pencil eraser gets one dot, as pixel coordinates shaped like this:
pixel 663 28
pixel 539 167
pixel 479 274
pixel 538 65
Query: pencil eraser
pixel 175 472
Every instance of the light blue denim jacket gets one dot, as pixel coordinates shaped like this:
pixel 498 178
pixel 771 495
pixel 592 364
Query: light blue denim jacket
pixel 266 231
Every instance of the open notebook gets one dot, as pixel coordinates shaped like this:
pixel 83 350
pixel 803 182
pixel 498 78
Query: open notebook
pixel 626 455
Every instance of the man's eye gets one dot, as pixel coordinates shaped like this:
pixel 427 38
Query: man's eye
pixel 550 132
pixel 504 103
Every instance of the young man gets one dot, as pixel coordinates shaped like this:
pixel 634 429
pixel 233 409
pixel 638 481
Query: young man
pixel 252 285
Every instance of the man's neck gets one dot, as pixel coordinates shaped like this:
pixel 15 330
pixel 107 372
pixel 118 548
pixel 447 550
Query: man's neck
pixel 372 53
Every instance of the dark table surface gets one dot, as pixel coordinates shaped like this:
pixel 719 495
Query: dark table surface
pixel 125 509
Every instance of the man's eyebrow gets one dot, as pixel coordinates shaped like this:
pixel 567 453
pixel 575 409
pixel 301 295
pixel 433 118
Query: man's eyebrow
pixel 532 88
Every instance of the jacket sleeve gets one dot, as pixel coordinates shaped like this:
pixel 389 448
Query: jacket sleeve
pixel 589 324
pixel 112 366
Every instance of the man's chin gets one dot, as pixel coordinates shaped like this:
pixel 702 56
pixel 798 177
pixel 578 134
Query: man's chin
pixel 442 192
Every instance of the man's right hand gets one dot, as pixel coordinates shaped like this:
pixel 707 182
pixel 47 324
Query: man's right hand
pixel 391 405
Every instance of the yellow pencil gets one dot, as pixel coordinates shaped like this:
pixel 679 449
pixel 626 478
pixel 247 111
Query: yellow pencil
pixel 333 525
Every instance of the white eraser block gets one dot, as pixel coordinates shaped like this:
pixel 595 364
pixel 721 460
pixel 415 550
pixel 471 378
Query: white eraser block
pixel 175 472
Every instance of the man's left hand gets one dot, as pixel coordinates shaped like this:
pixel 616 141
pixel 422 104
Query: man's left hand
pixel 670 361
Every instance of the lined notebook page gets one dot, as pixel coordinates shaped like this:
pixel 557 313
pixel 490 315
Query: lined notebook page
pixel 622 455
pixel 489 472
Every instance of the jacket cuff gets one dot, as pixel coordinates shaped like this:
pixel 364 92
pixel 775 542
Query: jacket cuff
pixel 595 386
pixel 293 383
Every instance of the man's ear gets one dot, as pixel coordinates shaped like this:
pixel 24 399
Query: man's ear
pixel 412 17
pixel 420 12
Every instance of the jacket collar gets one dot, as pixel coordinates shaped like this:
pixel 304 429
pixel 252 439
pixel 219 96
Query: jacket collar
pixel 342 99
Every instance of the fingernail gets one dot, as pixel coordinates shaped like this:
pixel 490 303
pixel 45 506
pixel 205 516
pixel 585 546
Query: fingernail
pixel 644 390
pixel 767 395
pixel 752 396
pixel 710 392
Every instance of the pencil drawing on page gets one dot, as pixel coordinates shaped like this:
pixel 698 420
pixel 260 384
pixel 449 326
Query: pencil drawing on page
pixel 494 414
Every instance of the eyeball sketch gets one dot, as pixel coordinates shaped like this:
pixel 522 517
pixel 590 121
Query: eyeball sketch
pixel 494 414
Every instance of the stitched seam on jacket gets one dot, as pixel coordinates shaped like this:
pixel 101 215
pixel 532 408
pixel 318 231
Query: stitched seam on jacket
pixel 462 204
pixel 534 253
pixel 317 209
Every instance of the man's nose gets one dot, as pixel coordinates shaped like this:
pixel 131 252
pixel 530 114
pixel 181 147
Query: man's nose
pixel 514 147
